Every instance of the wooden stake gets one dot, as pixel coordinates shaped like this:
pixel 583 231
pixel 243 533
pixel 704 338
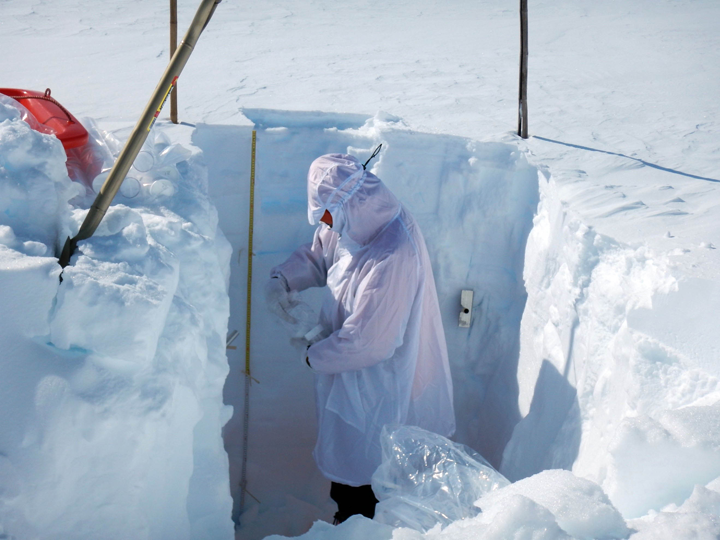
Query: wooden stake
pixel 522 109
pixel 173 47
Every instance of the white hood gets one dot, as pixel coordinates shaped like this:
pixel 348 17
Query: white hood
pixel 359 203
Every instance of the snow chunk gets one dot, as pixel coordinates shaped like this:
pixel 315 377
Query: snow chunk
pixel 119 279
pixel 703 501
pixel 34 185
pixel 580 506
pixel 677 526
pixel 656 462
pixel 355 528
pixel 516 517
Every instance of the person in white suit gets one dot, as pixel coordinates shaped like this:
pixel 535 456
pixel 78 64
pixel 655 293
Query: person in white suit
pixel 384 360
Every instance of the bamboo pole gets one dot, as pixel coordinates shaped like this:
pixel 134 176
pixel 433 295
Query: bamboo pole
pixel 140 132
pixel 173 48
pixel 523 106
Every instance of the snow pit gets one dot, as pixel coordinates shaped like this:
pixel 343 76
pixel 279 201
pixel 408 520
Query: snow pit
pixel 110 385
pixel 615 378
pixel 617 371
pixel 474 202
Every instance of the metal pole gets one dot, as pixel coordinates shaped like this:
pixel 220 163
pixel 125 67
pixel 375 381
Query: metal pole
pixel 142 128
pixel 173 48
pixel 523 107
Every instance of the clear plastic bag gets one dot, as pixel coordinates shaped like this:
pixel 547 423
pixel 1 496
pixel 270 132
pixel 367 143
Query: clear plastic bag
pixel 85 163
pixel 426 479
pixel 172 154
pixel 153 175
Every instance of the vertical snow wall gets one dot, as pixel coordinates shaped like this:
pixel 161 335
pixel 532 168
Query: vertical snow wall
pixel 618 373
pixel 110 383
pixel 474 201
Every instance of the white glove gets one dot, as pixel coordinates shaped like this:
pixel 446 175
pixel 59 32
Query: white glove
pixel 313 336
pixel 278 299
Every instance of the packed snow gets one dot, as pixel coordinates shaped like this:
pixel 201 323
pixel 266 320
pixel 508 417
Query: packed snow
pixel 590 375
pixel 112 380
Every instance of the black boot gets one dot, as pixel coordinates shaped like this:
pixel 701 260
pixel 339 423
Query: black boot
pixel 352 500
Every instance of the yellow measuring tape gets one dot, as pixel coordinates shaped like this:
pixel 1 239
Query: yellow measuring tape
pixel 248 375
pixel 250 253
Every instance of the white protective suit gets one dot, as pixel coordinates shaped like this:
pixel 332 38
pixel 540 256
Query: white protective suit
pixel 385 359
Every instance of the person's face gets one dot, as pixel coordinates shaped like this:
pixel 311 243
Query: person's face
pixel 327 219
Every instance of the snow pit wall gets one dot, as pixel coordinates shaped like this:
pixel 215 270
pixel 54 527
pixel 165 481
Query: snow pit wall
pixel 110 383
pixel 618 371
pixel 475 203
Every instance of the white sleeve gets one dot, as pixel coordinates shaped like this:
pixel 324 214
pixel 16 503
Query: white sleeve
pixel 307 266
pixel 376 327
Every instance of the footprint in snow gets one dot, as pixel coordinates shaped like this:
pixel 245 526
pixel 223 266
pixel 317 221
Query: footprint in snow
pixel 637 205
pixel 679 251
pixel 672 213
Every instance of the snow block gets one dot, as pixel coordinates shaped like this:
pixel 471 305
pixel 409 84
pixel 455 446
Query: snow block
pixel 34 185
pixel 111 382
pixel 580 507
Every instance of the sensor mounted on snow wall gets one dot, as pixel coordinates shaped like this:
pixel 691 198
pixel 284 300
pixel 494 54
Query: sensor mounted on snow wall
pixel 466 301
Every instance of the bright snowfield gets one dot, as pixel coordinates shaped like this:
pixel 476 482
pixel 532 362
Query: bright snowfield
pixel 591 250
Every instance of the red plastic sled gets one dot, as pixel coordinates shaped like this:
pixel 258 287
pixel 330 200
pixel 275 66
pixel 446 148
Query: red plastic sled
pixel 48 112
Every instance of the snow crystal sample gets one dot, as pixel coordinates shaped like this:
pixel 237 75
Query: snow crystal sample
pixel 305 321
pixel 426 479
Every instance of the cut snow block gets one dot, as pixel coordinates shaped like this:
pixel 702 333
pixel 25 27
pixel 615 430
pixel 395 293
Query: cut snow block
pixel 355 528
pixel 115 299
pixel 34 185
pixel 702 501
pixel 677 526
pixel 516 518
pixel 580 506
pixel 658 461
pixel 112 429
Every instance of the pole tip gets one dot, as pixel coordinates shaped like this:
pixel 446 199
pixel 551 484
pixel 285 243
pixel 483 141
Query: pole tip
pixel 67 252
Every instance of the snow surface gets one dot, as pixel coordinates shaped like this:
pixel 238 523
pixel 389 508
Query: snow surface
pixel 591 248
